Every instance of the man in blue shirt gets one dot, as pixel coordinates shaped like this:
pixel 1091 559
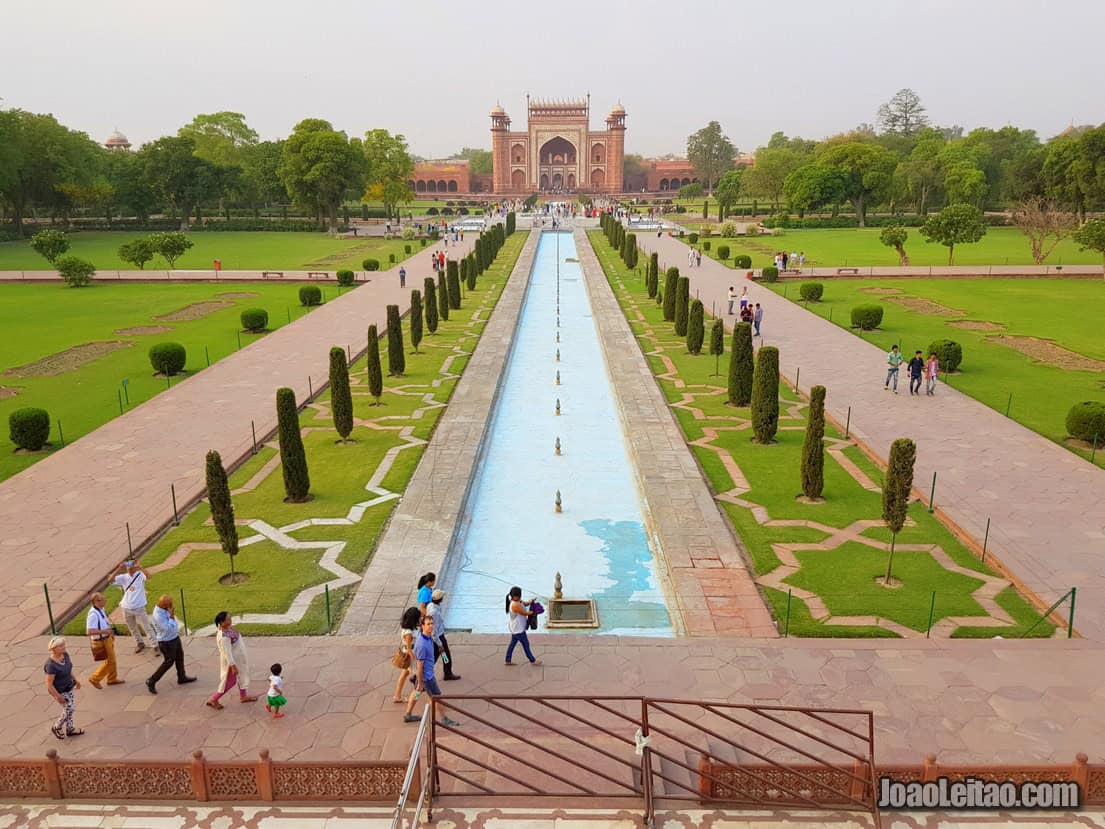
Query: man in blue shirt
pixel 166 631
pixel 424 670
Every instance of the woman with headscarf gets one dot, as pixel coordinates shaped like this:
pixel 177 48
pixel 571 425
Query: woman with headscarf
pixel 233 661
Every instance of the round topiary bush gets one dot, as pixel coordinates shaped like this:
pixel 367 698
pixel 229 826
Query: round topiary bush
pixel 705 245
pixel 742 260
pixel 168 358
pixel 811 291
pixel 345 278
pixel 948 352
pixel 371 264
pixel 867 317
pixel 771 273
pixel 255 319
pixel 391 258
pixel 431 211
pixel 422 242
pixel 407 249
pixel 310 295
pixel 693 238
pixel 722 252
pixel 29 428
pixel 1084 420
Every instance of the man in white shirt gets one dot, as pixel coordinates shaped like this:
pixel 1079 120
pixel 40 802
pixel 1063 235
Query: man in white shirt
pixel 133 604
pixel 102 636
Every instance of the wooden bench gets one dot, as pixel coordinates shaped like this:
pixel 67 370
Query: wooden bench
pixel 272 274
pixel 853 271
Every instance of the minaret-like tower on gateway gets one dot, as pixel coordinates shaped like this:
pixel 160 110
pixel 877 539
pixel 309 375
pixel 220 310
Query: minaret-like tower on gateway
pixel 500 150
pixel 615 130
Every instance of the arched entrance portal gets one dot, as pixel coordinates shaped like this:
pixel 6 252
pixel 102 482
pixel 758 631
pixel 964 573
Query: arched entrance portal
pixel 517 180
pixel 558 151
pixel 557 181
pixel 544 181
pixel 598 179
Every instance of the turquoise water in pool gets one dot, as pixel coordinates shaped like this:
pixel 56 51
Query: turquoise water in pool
pixel 511 533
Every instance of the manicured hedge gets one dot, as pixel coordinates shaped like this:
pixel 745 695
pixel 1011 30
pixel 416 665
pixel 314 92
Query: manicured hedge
pixel 310 295
pixel 743 261
pixel 948 352
pixel 722 252
pixel 255 319
pixel 371 265
pixel 168 358
pixel 345 278
pixel 29 428
pixel 1084 420
pixel 811 291
pixel 770 273
pixel 867 317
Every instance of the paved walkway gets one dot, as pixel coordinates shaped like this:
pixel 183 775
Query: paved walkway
pixel 64 518
pixel 1045 503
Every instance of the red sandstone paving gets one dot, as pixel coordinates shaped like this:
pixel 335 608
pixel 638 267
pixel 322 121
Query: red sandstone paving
pixel 63 519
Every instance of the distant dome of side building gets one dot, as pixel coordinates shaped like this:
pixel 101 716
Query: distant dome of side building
pixel 117 141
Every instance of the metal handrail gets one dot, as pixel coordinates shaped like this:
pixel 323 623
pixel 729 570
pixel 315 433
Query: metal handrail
pixel 412 766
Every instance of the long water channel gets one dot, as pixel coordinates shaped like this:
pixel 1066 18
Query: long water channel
pixel 512 532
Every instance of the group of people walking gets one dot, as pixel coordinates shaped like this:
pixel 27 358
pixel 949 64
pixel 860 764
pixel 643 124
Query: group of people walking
pixel 750 312
pixel 919 369
pixel 795 261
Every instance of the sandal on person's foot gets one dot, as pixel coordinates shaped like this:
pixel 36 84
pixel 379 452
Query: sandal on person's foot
pixel 398 700
pixel 249 699
pixel 213 703
pixel 76 732
pixel 57 732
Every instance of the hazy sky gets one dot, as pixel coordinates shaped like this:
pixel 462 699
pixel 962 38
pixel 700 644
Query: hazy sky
pixel 433 70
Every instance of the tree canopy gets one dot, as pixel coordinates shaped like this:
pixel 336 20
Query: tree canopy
pixel 711 153
pixel 388 167
pixel 319 165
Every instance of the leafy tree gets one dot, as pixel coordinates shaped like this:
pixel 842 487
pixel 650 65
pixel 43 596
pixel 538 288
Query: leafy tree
pixel 904 114
pixel 922 173
pixel 865 170
pixel 728 191
pixel 711 153
pixel 341 397
pixel 895 492
pixel 415 319
pixel 717 342
pixel 1040 221
pixel 260 180
pixel 894 236
pixel 137 252
pixel 76 272
pixel 480 162
pixel 220 137
pixel 50 244
pixel 813 448
pixel 442 297
pixel 741 365
pixel 812 186
pixel 670 283
pixel 1091 236
pixel 682 300
pixel 430 292
pixel 452 280
pixel 222 508
pixel 634 174
pixel 696 327
pixel 766 178
pixel 178 175
pixel 293 458
pixel 957 224
pixel 765 394
pixel 171 246
pixel 131 192
pixel 319 165
pixel 691 191
pixel 389 167
pixel 372 365
pixel 397 359
pixel 963 179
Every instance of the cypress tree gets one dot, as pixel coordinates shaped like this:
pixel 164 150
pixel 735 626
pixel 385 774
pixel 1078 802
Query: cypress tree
pixel 653 278
pixel 696 327
pixel 416 318
pixel 375 372
pixel 670 283
pixel 442 298
pixel 293 459
pixel 222 508
pixel 813 449
pixel 895 491
pixel 452 279
pixel 481 255
pixel 717 342
pixel 397 357
pixel 740 365
pixel 631 250
pixel 765 394
pixel 341 398
pixel 622 249
pixel 431 304
pixel 682 299
pixel 464 273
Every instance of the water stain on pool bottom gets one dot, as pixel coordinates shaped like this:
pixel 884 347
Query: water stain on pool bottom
pixel 622 606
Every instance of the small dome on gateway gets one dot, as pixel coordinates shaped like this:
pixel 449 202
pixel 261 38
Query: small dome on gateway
pixel 117 139
pixel 498 110
pixel 618 109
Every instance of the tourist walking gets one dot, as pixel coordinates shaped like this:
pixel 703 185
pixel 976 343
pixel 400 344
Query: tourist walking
pixel 233 661
pixel 757 318
pixel 424 671
pixel 436 611
pixel 426 591
pixel 132 580
pixel 746 314
pixel 932 368
pixel 698 259
pixel 732 299
pixel 61 685
pixel 102 635
pixel 784 258
pixel 402 277
pixel 404 656
pixel 518 613
pixel 744 297
pixel 167 631
pixel 893 363
pixel 801 261
pixel 275 699
pixel 916 369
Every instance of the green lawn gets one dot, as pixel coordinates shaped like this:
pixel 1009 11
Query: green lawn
pixel 339 473
pixel 1061 310
pixel 843 577
pixel 856 247
pixel 236 251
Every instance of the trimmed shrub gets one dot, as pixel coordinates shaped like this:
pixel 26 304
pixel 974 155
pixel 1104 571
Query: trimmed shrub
pixel 442 297
pixel 696 327
pixel 652 278
pixel 310 295
pixel 693 238
pixel 742 260
pixel 371 265
pixel 415 319
pixel 171 245
pixel 397 359
pixel 341 398
pixel 722 252
pixel 222 508
pixel 168 358
pixel 811 291
pixel 729 230
pixel 293 458
pixel 895 491
pixel 1084 420
pixel 255 319
pixel 407 248
pixel 452 280
pixel 948 352
pixel 345 278
pixel 770 273
pixel 391 258
pixel 741 365
pixel 76 272
pixel 50 244
pixel 813 448
pixel 372 365
pixel 670 282
pixel 432 211
pixel 422 242
pixel 717 341
pixel 137 252
pixel 706 246
pixel 765 394
pixel 429 290
pixel 408 233
pixel 682 302
pixel 867 317
pixel 29 428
